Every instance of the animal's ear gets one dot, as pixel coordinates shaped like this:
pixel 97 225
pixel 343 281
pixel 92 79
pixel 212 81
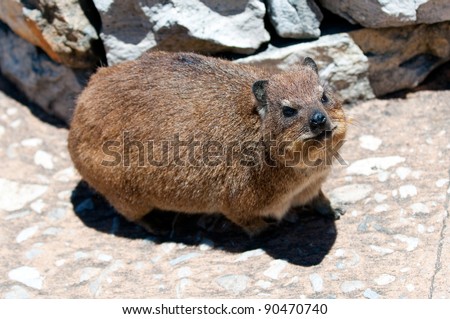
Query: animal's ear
pixel 310 64
pixel 259 90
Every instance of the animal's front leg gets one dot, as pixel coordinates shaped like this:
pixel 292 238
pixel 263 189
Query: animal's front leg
pixel 322 205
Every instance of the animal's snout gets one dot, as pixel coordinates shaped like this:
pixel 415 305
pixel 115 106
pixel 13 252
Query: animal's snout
pixel 317 121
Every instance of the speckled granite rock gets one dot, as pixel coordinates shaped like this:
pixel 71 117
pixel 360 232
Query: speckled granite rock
pixel 66 242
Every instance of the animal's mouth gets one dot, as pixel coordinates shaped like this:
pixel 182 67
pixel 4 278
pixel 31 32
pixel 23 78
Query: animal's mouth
pixel 325 134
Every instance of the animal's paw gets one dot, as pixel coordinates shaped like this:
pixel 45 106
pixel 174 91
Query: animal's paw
pixel 257 227
pixel 151 226
pixel 326 210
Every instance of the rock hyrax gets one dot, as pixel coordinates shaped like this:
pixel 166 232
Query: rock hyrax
pixel 187 133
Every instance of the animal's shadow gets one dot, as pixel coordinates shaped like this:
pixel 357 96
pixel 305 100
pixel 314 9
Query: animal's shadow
pixel 303 238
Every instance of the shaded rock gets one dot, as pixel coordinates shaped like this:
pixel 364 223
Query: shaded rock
pixel 407 191
pixel 104 257
pixel 248 254
pixel 370 294
pixel 373 165
pixel 264 284
pixel 382 13
pixel 275 269
pixel 441 182
pixel 339 59
pixel 206 244
pixel 349 194
pixel 184 272
pixel 403 172
pixel 28 276
pixel 412 242
pixel 298 19
pixel 57 213
pixel 233 283
pixel 52 231
pixel 379 197
pixel 60 28
pixel 88 273
pixel 384 279
pixel 316 282
pixel 382 250
pixel 26 234
pixel 65 175
pixel 182 287
pixel 17 292
pixel 87 204
pixel 52 86
pixel 38 206
pixel 419 208
pixel 381 208
pixel 349 286
pixel 44 159
pixel 14 195
pixel 31 142
pixel 133 27
pixel 183 258
pixel 370 142
pixel 401 58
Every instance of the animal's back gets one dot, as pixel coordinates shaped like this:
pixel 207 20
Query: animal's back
pixel 171 94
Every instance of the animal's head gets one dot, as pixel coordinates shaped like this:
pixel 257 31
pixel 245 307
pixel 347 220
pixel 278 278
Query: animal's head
pixel 302 119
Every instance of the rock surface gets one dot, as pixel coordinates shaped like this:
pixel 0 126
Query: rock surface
pixel 401 58
pixel 382 13
pixel 68 243
pixel 60 28
pixel 206 26
pixel 50 85
pixel 298 19
pixel 340 62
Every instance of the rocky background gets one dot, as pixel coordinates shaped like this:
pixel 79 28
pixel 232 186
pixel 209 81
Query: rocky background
pixel 364 49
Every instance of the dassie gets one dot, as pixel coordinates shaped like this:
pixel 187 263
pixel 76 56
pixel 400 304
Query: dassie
pixel 186 133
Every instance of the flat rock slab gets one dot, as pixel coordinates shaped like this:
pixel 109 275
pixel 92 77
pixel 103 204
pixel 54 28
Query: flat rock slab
pixel 59 239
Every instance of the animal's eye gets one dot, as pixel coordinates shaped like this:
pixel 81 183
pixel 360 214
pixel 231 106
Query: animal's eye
pixel 289 111
pixel 324 98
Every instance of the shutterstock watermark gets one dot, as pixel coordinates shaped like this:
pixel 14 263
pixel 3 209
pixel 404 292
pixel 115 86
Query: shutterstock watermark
pixel 196 152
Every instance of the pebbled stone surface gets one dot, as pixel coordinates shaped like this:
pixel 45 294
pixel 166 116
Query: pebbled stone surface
pixel 66 242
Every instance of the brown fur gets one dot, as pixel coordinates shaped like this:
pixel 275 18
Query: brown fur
pixel 162 94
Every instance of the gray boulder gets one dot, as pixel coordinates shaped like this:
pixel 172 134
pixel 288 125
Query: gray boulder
pixel 206 26
pixel 401 58
pixel 52 86
pixel 298 19
pixel 341 62
pixel 382 13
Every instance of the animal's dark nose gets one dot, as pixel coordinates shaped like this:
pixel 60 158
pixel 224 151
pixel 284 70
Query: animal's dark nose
pixel 317 120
